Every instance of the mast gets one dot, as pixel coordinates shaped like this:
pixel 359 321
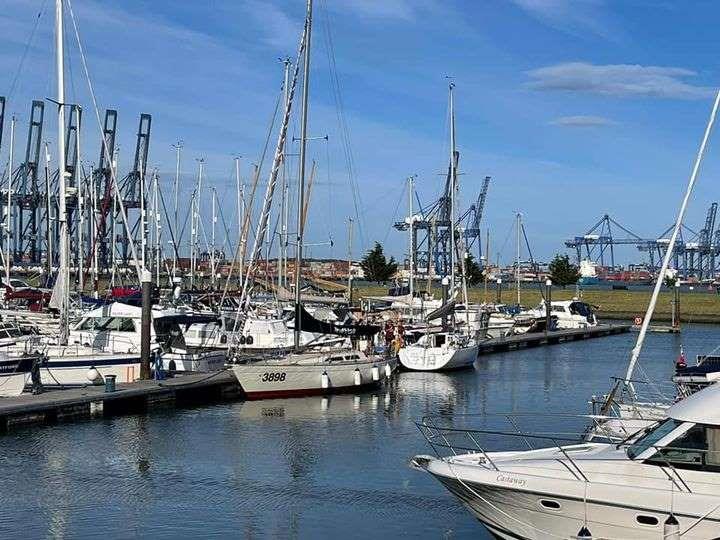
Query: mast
pixel 62 217
pixel 411 254
pixel 282 248
pixel 48 209
pixel 8 212
pixel 518 223
pixel 453 179
pixel 671 247
pixel 350 237
pixel 212 238
pixel 301 178
pixel 240 212
pixel 178 147
pixel 80 198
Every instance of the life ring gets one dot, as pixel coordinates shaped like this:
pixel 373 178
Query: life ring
pixel 638 321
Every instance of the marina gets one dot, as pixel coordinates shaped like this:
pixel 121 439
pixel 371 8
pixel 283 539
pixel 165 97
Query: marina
pixel 273 328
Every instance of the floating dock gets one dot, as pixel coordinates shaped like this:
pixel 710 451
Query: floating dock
pixel 58 406
pixel 554 337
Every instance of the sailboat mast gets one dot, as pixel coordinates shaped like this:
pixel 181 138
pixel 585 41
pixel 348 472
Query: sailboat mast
pixel 81 200
pixel 411 254
pixel 671 247
pixel 8 211
pixel 453 175
pixel 301 178
pixel 178 148
pixel 350 238
pixel 518 224
pixel 212 248
pixel 240 213
pixel 62 217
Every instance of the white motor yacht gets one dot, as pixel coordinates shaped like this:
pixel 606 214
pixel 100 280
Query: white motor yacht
pixel 662 483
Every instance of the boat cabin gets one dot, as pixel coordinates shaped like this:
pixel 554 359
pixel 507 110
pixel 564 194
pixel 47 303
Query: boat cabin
pixel 688 439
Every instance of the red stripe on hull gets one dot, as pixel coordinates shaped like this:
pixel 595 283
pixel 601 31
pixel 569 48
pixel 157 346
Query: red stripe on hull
pixel 307 392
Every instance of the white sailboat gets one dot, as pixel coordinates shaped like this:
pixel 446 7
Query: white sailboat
pixel 447 349
pixel 302 372
pixel 622 402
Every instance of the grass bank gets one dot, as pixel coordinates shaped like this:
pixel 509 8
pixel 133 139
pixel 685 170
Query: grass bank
pixel 698 307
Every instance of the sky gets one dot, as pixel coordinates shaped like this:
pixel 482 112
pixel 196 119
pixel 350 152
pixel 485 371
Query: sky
pixel 575 108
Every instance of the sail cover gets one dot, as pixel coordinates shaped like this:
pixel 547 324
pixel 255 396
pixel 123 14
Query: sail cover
pixel 442 311
pixel 308 323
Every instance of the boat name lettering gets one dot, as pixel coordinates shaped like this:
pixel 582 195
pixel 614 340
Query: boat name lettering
pixel 273 376
pixel 510 480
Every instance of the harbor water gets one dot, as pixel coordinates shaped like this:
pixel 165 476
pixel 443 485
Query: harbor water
pixel 303 468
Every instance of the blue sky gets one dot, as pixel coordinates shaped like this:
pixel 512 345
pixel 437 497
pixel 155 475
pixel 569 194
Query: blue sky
pixel 576 108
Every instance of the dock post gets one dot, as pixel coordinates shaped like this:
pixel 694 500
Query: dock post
pixel 548 303
pixel 499 290
pixel 145 325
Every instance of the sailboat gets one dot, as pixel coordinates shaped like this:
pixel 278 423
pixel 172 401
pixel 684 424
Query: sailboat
pixel 448 348
pixel 302 372
pixel 628 413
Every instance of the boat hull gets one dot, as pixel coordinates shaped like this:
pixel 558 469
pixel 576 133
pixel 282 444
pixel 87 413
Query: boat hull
pixel 73 370
pixel 509 505
pixel 274 380
pixel 419 358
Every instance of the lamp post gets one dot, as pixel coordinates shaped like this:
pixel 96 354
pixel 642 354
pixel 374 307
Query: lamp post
pixel 676 305
pixel 499 289
pixel 548 303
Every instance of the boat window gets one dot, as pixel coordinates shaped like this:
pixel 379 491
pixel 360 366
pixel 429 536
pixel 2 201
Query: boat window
pixel 560 309
pixel 581 308
pixel 647 520
pixel 91 323
pixel 119 324
pixel 335 359
pixel 552 505
pixel 651 438
pixel 698 447
pixel 440 340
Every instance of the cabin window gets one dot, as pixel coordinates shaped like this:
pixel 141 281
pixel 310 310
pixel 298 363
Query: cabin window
pixel 119 324
pixel 440 340
pixel 647 520
pixel 697 448
pixel 550 505
pixel 651 437
pixel 91 323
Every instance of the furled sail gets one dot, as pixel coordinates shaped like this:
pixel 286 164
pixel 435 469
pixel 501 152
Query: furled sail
pixel 442 311
pixel 308 323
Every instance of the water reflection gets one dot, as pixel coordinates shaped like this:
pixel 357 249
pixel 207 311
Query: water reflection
pixel 300 468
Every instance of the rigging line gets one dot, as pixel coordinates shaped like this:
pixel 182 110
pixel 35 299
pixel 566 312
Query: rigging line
pixel 344 129
pixel 26 50
pixel 394 215
pixel 118 197
pixel 532 261
pixel 250 201
pixel 504 244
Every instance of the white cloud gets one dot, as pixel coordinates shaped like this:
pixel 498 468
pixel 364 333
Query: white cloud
pixel 378 9
pixel 618 80
pixel 572 16
pixel 582 121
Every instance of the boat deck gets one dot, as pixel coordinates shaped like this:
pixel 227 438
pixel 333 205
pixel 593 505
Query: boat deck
pixel 554 337
pixel 90 401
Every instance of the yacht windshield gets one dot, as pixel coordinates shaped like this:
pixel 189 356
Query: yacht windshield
pixel 652 437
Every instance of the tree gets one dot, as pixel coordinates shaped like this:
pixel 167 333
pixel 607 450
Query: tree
pixel 473 273
pixel 563 272
pixel 376 266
